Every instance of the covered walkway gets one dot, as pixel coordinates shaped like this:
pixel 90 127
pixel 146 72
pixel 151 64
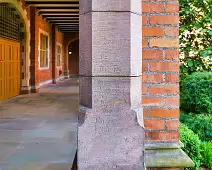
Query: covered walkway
pixel 39 131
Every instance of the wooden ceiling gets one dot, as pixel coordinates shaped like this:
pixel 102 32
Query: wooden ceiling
pixel 63 13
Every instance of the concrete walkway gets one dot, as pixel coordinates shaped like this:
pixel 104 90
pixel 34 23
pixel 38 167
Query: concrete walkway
pixel 39 131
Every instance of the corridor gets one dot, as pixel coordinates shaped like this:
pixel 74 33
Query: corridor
pixel 39 131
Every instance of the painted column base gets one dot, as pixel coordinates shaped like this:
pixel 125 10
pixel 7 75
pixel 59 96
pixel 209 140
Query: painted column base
pixel 25 90
pixel 35 89
pixel 166 155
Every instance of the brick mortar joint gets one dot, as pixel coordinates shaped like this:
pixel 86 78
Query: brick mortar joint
pixel 162 130
pixel 161 61
pixel 163 2
pixel 161 14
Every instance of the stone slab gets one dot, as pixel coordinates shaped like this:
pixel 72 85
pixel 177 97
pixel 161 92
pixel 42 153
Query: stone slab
pixel 108 5
pixel 6 149
pixel 43 153
pixel 36 167
pixel 167 158
pixel 164 145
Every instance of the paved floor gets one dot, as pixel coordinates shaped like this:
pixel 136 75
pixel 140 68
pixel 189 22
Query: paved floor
pixel 39 131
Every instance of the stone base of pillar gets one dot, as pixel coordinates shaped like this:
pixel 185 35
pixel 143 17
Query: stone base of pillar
pixel 25 90
pixel 35 89
pixel 110 138
pixel 111 134
pixel 166 155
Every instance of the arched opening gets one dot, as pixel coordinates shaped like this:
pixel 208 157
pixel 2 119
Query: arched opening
pixel 23 37
pixel 14 49
pixel 73 58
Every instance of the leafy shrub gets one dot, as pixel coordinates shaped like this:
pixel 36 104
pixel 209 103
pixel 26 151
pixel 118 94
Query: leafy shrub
pixel 206 154
pixel 191 144
pixel 196 93
pixel 199 124
pixel 195 35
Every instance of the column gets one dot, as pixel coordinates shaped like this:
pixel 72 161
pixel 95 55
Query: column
pixel 34 88
pixel 66 69
pixel 54 53
pixel 110 132
pixel 161 85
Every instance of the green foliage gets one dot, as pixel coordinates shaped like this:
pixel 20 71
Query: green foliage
pixel 196 93
pixel 200 124
pixel 191 143
pixel 206 154
pixel 195 35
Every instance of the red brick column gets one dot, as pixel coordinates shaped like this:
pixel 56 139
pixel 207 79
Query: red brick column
pixel 32 69
pixel 161 85
pixel 54 53
pixel 161 70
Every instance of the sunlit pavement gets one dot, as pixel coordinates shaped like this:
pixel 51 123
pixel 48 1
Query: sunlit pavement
pixel 39 131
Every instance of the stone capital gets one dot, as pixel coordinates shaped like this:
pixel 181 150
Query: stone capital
pixel 133 6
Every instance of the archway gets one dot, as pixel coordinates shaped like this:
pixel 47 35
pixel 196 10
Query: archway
pixel 25 42
pixel 73 58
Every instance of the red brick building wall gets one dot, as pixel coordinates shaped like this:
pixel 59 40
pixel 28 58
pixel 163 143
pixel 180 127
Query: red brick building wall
pixel 161 70
pixel 45 74
pixel 60 40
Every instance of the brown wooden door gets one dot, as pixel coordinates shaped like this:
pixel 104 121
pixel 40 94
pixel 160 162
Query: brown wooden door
pixel 10 69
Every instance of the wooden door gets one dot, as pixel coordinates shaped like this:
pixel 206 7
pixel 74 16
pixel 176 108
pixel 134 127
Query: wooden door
pixel 10 69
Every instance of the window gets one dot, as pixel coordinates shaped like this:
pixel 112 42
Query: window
pixel 59 55
pixel 44 51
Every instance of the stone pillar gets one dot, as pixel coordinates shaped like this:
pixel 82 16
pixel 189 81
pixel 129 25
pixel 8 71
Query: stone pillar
pixel 54 53
pixel 34 89
pixel 110 132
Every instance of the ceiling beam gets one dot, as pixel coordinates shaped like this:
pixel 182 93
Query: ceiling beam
pixel 69 29
pixel 58 10
pixel 62 25
pixel 54 5
pixel 62 17
pixel 62 28
pixel 66 24
pixel 73 29
pixel 67 21
pixel 51 0
pixel 60 14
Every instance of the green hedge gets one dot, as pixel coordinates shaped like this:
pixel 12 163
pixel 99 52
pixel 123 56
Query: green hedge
pixel 191 143
pixel 196 93
pixel 200 124
pixel 206 154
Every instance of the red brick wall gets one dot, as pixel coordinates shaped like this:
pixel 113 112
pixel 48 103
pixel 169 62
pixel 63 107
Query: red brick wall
pixel 161 70
pixel 60 39
pixel 165 168
pixel 43 75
